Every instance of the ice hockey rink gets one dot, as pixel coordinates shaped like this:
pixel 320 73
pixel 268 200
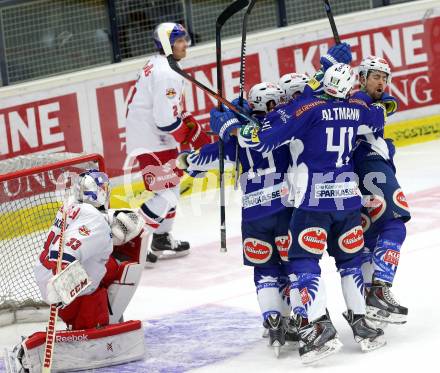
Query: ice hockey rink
pixel 200 313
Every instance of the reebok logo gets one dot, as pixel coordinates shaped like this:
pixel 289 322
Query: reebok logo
pixel 71 338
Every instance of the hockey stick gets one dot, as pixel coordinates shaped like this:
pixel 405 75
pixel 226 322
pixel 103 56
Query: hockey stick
pixel 232 9
pixel 242 76
pixel 329 12
pixel 53 313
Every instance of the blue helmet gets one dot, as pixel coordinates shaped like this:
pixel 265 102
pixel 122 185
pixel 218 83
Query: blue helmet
pixel 174 30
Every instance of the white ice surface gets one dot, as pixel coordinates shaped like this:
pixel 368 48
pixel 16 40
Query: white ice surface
pixel 208 277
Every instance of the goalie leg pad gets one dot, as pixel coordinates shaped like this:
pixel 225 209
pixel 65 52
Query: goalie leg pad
pixel 128 275
pixel 121 292
pixel 87 349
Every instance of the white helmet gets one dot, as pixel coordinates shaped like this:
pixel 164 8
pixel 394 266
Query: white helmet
pixel 292 84
pixel 173 30
pixel 93 186
pixel 374 63
pixel 339 80
pixel 262 93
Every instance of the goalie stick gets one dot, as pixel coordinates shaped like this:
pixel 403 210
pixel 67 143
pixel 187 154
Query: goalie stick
pixel 232 9
pixel 53 312
pixel 242 77
pixel 329 12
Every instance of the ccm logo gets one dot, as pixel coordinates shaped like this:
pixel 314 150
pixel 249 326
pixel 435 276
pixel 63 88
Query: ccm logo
pixel 77 289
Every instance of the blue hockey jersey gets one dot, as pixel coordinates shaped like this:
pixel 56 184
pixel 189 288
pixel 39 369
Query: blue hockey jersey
pixel 325 131
pixel 263 179
pixel 373 145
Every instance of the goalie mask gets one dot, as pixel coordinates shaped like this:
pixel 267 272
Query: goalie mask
pixel 371 63
pixel 264 96
pixel 339 80
pixel 292 85
pixel 174 31
pixel 93 187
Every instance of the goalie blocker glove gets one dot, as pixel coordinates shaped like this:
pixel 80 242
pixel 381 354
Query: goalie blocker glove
pixel 67 285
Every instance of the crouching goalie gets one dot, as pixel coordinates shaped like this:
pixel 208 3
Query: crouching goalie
pixel 103 256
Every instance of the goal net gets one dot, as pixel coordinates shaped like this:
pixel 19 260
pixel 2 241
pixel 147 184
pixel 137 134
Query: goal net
pixel 32 188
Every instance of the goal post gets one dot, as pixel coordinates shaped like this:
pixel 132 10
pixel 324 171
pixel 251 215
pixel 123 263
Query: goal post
pixel 32 188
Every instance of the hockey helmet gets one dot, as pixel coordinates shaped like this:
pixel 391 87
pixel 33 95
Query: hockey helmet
pixel 339 80
pixel 93 187
pixel 292 84
pixel 173 30
pixel 374 63
pixel 261 94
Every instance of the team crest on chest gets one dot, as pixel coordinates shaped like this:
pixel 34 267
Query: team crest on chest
pixel 84 231
pixel 170 93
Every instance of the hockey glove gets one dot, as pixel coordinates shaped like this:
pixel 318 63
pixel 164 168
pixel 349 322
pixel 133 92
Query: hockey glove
pixel 181 161
pixel 196 137
pixel 223 122
pixel 339 53
pixel 390 103
pixel 245 108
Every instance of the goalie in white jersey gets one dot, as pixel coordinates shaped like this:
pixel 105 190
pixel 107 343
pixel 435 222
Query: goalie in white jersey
pixel 155 128
pixel 103 257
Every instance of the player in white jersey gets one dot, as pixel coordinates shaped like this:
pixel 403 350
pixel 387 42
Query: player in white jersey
pixel 95 285
pixel 156 126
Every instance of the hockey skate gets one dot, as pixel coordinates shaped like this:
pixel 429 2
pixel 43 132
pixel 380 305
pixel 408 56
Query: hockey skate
pixel 318 339
pixel 151 259
pixel 165 247
pixel 368 337
pixel 13 360
pixel 383 307
pixel 292 336
pixel 274 324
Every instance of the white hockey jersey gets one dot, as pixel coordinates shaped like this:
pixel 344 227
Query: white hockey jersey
pixel 154 109
pixel 87 238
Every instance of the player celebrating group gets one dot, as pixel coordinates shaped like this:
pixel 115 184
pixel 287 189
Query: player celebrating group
pixel 155 127
pixel 266 211
pixel 327 205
